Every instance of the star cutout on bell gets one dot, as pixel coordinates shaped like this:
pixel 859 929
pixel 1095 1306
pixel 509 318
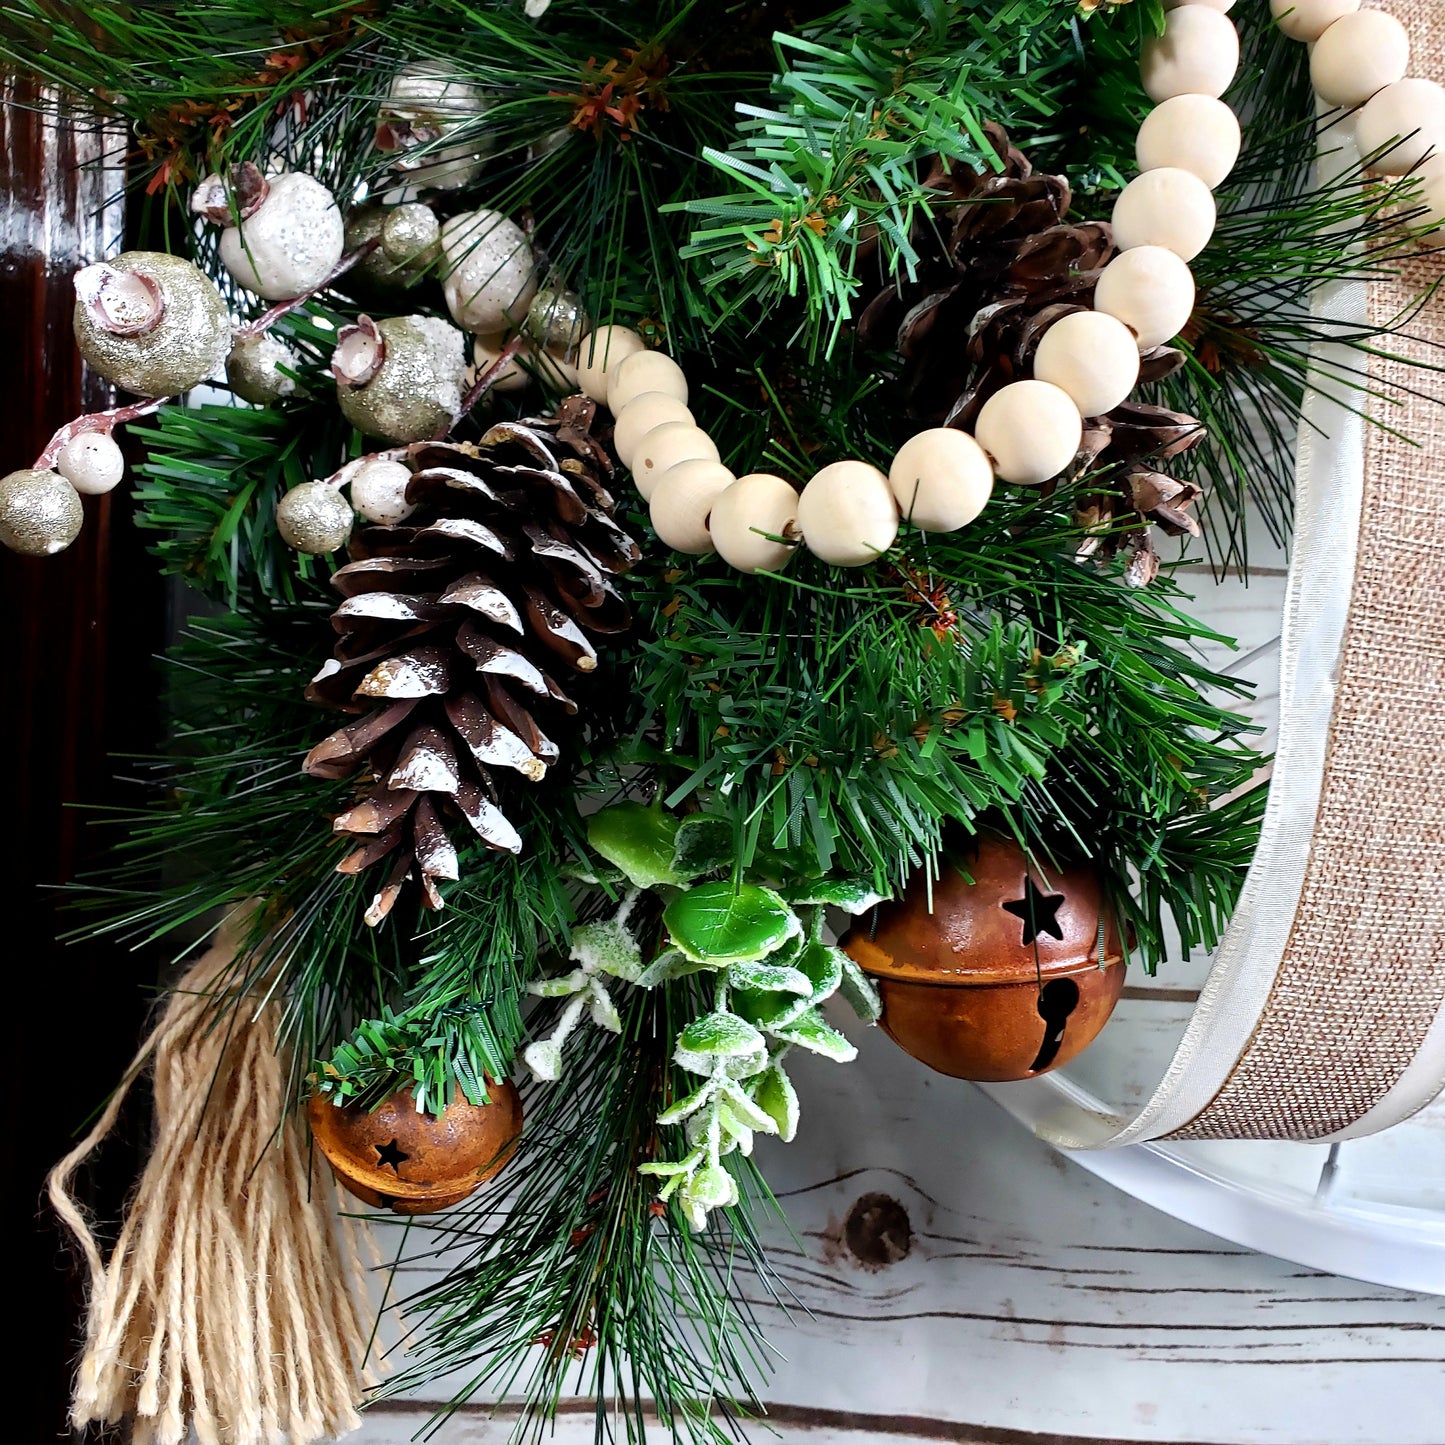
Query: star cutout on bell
pixel 1039 911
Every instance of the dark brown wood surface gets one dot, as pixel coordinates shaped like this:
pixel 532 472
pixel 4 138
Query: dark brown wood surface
pixel 77 685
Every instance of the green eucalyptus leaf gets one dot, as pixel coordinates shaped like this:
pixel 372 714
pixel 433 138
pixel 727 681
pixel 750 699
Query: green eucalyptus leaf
pixel 718 923
pixel 716 1036
pixel 858 990
pixel 670 964
pixel 688 1104
pixel 823 966
pixel 770 978
pixel 639 840
pixel 810 1032
pixel 607 947
pixel 703 845
pixel 774 1094
pixel 769 1010
pixel 603 1010
pixel 563 986
pixel 745 1112
pixel 855 895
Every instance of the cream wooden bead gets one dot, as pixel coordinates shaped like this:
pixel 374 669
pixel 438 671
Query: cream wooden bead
pixel 1197 54
pixel 753 505
pixel 1358 55
pixel 600 353
pixel 1093 357
pixel 639 417
pixel 665 446
pixel 1413 110
pixel 1150 290
pixel 1196 133
pixel 1031 430
pixel 941 479
pixel 644 371
pixel 1431 176
pixel 1168 207
pixel 681 501
pixel 1309 19
pixel 848 515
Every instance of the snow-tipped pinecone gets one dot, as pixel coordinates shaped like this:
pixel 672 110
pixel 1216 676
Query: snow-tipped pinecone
pixel 454 628
pixel 998 264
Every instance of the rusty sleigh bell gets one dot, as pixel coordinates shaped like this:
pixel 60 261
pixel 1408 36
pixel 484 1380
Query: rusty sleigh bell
pixel 412 1163
pixel 1005 977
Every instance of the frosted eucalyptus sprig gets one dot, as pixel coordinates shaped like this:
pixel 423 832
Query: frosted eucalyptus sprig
pixel 772 970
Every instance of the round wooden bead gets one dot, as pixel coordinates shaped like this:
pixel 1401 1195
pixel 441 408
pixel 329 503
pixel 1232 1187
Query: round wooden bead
pixel 1167 207
pixel 755 504
pixel 1358 55
pixel 603 351
pixel 1150 290
pixel 485 350
pixel 665 446
pixel 1409 113
pixel 1197 54
pixel 1031 429
pixel 1196 133
pixel 682 500
pixel 641 372
pixel 941 478
pixel 1309 19
pixel 848 515
pixel 91 462
pixel 1091 355
pixel 640 415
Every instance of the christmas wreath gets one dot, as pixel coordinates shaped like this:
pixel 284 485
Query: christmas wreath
pixel 687 559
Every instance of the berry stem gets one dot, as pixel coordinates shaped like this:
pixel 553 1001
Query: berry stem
pixel 104 422
pixel 267 319
pixel 484 383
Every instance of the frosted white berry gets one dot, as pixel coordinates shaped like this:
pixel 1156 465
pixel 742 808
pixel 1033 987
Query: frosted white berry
pixel 639 417
pixel 1168 207
pixel 513 376
pixel 378 492
pixel 1309 19
pixel 1150 290
pixel 1358 55
pixel 753 506
pixel 601 352
pixel 848 515
pixel 1409 118
pixel 91 462
pixel 1031 430
pixel 665 446
pixel 1193 132
pixel 290 243
pixel 641 372
pixel 1093 357
pixel 491 271
pixel 682 500
pixel 941 479
pixel 1197 54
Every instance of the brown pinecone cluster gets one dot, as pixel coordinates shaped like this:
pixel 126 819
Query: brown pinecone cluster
pixel 999 263
pixel 454 629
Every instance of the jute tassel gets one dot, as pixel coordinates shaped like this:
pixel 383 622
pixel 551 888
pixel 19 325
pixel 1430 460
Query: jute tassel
pixel 233 1304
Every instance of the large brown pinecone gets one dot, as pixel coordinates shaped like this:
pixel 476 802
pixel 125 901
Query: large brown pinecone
pixel 453 631
pixel 998 263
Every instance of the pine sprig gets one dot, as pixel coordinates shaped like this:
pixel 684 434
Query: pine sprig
pixel 565 1274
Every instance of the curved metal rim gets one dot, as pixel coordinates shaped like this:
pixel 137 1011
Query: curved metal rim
pixel 1382 1246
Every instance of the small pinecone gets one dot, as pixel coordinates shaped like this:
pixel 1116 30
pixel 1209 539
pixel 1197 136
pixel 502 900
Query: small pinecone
pixel 999 263
pixel 454 628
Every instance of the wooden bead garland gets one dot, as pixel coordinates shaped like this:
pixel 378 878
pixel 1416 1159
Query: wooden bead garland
pixel 1086 363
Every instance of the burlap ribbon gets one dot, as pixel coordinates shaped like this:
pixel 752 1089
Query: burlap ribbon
pixel 1324 1014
